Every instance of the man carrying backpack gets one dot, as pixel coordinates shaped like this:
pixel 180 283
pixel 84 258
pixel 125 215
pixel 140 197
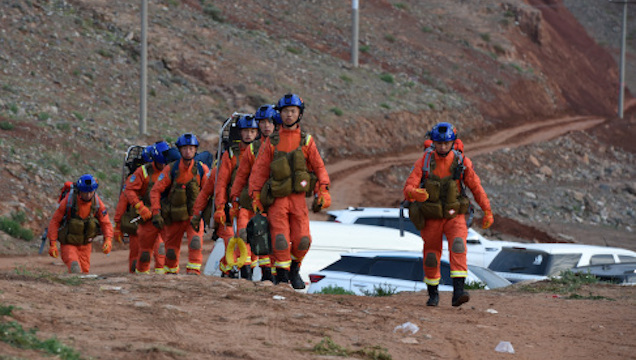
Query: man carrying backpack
pixel 76 222
pixel 267 118
pixel 172 199
pixel 436 189
pixel 146 239
pixel 288 168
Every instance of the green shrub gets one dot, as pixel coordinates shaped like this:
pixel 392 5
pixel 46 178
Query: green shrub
pixel 44 116
pixel 335 290
pixel 485 37
pixel 6 310
pixel 294 50
pixel 337 111
pixel 13 107
pixel 389 38
pixel 14 229
pixel 5 125
pixel 213 12
pixel 364 48
pixel 381 290
pixel 346 79
pixel 13 334
pixel 427 29
pixel 475 285
pixel 387 78
pixel 78 116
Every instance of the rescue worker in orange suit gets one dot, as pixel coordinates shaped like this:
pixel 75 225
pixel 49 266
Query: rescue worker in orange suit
pixel 290 162
pixel 137 201
pixel 75 223
pixel 267 118
pixel 248 128
pixel 172 198
pixel 445 168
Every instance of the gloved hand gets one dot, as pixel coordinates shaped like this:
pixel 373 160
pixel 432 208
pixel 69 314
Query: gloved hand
pixel 489 219
pixel 257 205
pixel 234 210
pixel 418 194
pixel 324 198
pixel 195 222
pixel 157 221
pixel 117 235
pixel 53 252
pixel 108 245
pixel 143 211
pixel 219 215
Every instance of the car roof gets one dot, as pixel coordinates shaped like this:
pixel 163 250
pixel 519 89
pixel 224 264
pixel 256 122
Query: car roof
pixel 568 248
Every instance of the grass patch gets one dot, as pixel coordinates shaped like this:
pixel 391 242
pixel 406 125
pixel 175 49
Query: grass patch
pixel 567 283
pixel 294 50
pixel 14 227
pixel 485 37
pixel 388 78
pixel 475 285
pixel 364 48
pixel 63 126
pixel 327 347
pixel 335 290
pixel 5 125
pixel 44 116
pixel 426 29
pixel 213 12
pixel 13 107
pixel 346 79
pixel 40 274
pixel 381 290
pixel 385 105
pixel 13 334
pixel 401 6
pixel 390 38
pixel 6 310
pixel 78 116
pixel 337 111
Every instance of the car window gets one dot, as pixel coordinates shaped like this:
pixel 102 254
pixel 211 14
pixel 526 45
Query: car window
pixel 562 262
pixel 394 268
pixel 520 261
pixel 393 223
pixel 602 259
pixel 626 258
pixel 352 264
pixel 331 217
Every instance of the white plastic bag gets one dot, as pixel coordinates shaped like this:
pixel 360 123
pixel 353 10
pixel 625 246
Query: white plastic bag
pixel 505 347
pixel 407 327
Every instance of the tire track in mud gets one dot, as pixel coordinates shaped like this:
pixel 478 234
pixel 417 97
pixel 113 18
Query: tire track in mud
pixel 351 178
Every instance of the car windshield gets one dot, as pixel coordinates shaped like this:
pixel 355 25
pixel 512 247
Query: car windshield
pixel 351 264
pixel 532 262
pixel 388 222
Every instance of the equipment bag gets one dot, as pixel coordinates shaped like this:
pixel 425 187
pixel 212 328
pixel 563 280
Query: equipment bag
pixel 258 235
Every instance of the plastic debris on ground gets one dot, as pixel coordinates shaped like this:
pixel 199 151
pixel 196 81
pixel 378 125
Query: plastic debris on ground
pixel 407 327
pixel 505 347
pixel 278 297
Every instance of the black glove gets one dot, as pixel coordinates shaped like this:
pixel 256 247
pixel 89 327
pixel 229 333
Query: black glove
pixel 157 221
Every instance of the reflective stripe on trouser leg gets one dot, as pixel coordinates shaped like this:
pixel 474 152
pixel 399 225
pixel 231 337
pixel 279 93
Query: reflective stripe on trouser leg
pixel 264 261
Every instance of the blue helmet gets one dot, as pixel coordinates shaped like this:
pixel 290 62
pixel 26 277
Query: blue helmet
pixel 187 139
pixel 87 183
pixel 146 155
pixel 290 100
pixel 443 132
pixel 265 112
pixel 246 122
pixel 159 152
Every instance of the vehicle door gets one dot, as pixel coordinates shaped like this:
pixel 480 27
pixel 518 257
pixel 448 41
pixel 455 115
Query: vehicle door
pixel 389 274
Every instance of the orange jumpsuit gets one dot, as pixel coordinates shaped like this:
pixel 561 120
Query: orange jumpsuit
pixel 240 181
pixel 288 216
pixel 227 167
pixel 79 254
pixel 133 239
pixel 173 233
pixel 455 229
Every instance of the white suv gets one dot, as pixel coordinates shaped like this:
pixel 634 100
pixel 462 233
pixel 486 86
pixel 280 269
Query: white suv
pixel 541 261
pixel 480 251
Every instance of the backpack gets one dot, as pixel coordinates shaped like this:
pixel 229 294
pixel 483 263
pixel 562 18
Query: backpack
pixel 258 235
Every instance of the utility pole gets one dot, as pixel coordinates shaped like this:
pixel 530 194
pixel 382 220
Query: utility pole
pixel 621 84
pixel 354 32
pixel 144 74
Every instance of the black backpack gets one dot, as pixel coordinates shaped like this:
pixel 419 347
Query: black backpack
pixel 258 235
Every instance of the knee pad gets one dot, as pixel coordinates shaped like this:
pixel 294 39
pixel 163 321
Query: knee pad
pixel 281 242
pixel 195 243
pixel 458 246
pixel 145 257
pixel 304 243
pixel 171 254
pixel 75 268
pixel 162 249
pixel 431 260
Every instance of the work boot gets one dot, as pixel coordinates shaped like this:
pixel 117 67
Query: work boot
pixel 246 272
pixel 433 295
pixel 459 295
pixel 282 276
pixel 266 273
pixel 294 276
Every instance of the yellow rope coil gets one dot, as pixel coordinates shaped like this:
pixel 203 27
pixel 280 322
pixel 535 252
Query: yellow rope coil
pixel 229 252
